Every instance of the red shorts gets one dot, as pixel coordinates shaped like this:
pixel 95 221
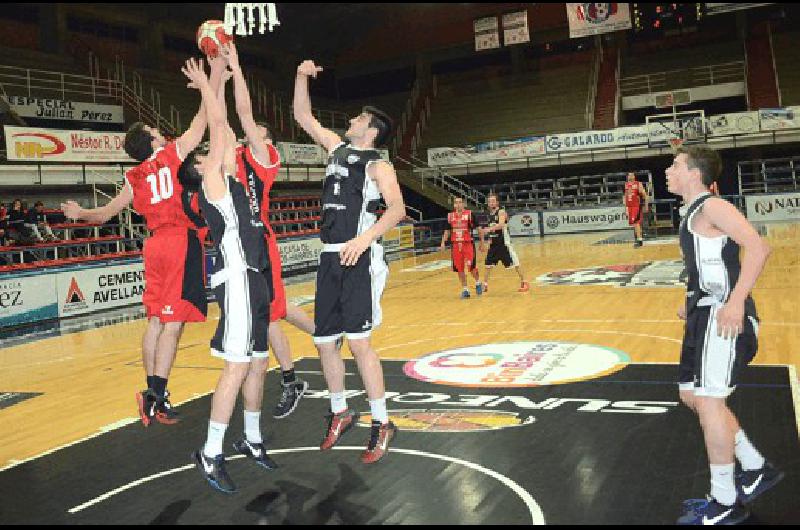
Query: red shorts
pixel 464 256
pixel 174 275
pixel 277 309
pixel 634 215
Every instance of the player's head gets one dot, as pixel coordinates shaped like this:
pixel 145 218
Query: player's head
pixel 189 172
pixel 492 201
pixel 372 126
pixel 693 166
pixel 141 141
pixel 458 204
pixel 263 132
pixel 631 176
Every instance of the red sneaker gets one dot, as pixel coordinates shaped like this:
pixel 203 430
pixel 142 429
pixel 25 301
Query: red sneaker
pixel 145 401
pixel 338 425
pixel 524 288
pixel 378 446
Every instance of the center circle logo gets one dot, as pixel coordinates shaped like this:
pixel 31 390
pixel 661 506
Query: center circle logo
pixel 517 364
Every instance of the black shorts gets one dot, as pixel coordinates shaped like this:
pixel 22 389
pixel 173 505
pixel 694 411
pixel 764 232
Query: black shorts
pixel 347 301
pixel 242 332
pixel 711 365
pixel 501 253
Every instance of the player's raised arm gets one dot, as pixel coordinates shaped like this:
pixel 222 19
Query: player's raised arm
pixel 72 210
pixel 302 108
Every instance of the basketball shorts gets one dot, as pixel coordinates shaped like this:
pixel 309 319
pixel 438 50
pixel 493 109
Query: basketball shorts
pixel 277 309
pixel 498 253
pixel 711 365
pixel 463 255
pixel 348 299
pixel 242 331
pixel 174 273
pixel 634 215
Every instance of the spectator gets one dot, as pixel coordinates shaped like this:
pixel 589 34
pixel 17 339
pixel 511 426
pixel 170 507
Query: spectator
pixel 36 222
pixel 5 237
pixel 16 223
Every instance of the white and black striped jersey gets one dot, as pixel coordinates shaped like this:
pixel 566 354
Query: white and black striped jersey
pixel 712 264
pixel 238 232
pixel 503 237
pixel 350 199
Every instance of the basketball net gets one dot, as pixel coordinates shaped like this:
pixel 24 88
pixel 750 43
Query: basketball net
pixel 243 18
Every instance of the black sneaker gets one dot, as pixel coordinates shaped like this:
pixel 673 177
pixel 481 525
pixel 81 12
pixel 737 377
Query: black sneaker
pixel 751 484
pixel 638 243
pixel 146 402
pixel 711 512
pixel 213 470
pixel 290 398
pixel 164 413
pixel 255 452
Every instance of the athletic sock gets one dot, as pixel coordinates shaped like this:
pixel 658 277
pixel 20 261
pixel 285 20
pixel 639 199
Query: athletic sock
pixel 216 435
pixel 252 427
pixel 288 376
pixel 159 386
pixel 747 454
pixel 338 402
pixel 378 409
pixel 150 381
pixel 723 487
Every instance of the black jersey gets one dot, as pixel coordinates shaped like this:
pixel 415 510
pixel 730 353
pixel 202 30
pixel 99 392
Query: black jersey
pixel 237 231
pixel 501 238
pixel 350 198
pixel 712 264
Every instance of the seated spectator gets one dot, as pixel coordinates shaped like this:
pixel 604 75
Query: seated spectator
pixel 16 224
pixel 36 222
pixel 5 237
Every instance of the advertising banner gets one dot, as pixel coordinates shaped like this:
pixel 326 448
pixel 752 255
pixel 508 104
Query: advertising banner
pixel 594 19
pixel 56 109
pixel 582 220
pixel 54 145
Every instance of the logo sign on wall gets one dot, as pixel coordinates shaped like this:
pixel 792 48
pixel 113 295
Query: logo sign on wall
pixel 90 290
pixel 27 299
pixel 517 364
pixel 300 251
pixel 53 145
pixel 735 123
pixel 524 224
pixel 487 34
pixel 56 109
pixel 594 19
pixel 566 221
pixel 777 119
pixel 781 207
pixel 515 28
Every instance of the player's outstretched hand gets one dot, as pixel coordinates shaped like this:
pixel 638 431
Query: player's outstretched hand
pixel 71 209
pixel 353 249
pixel 193 69
pixel 230 55
pixel 309 69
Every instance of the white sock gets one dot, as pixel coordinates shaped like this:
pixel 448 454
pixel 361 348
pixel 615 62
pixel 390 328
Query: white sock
pixel 216 435
pixel 252 427
pixel 378 409
pixel 338 402
pixel 746 454
pixel 723 487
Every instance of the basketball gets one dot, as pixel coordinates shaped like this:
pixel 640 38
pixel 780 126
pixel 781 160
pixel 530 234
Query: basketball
pixel 210 35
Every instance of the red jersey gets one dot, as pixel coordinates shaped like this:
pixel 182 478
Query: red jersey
pixel 258 177
pixel 461 226
pixel 632 197
pixel 157 193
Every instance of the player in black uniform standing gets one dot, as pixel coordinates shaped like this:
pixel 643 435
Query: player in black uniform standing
pixel 720 339
pixel 240 287
pixel 352 270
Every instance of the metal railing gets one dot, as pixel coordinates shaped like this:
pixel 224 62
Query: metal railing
pixel 439 178
pixel 683 78
pixel 594 77
pixel 769 175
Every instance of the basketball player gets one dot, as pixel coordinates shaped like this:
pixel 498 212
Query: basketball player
pixel 352 271
pixel 721 333
pixel 463 250
pixel 173 254
pixel 500 247
pixel 257 177
pixel 634 196
pixel 240 283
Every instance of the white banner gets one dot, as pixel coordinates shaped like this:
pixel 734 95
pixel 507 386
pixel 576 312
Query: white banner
pixel 524 224
pixel 566 221
pixel 726 7
pixel 487 34
pixel 524 147
pixel 56 109
pixel 776 119
pixel 736 123
pixel 310 154
pixel 300 251
pixel 594 19
pixel 515 28
pixel 53 145
pixel 560 143
pixel 27 299
pixel 778 207
pixel 89 290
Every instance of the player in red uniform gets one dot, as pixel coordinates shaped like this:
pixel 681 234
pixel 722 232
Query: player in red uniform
pixel 633 198
pixel 173 254
pixel 463 251
pixel 258 164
